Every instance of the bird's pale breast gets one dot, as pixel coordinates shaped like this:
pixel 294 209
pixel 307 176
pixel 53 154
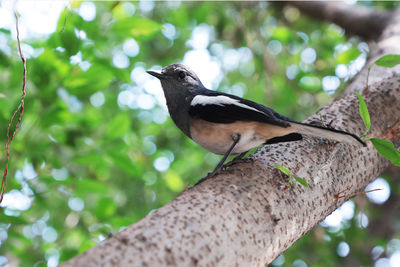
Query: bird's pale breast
pixel 217 137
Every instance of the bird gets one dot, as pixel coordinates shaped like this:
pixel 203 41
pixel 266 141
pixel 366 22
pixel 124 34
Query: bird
pixel 226 124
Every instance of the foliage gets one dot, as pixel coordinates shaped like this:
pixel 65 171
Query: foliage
pixel 384 147
pixel 387 149
pixel 388 61
pixel 96 150
pixel 364 114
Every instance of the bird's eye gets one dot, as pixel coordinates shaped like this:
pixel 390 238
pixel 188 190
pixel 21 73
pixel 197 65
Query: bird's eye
pixel 182 74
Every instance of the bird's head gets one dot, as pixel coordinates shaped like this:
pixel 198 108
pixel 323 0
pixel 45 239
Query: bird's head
pixel 178 78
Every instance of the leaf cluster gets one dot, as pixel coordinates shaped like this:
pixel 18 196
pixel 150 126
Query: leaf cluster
pixel 384 147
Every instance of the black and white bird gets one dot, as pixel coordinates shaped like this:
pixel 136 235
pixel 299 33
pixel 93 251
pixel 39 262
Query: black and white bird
pixel 227 124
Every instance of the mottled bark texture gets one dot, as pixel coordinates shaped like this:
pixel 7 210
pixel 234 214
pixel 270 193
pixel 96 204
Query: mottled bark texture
pixel 245 216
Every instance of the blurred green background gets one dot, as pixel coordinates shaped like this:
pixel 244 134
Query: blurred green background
pixel 97 151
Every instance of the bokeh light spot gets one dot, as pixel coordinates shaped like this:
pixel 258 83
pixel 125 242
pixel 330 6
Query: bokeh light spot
pixel 343 249
pixel 97 99
pixel 60 174
pixel 169 31
pixel 308 55
pixel 131 48
pixel 16 200
pixel 330 83
pixel 76 204
pixel 299 263
pixel 279 260
pixel 120 60
pixel 380 196
pixel 146 6
pixel 161 164
pixel 341 71
pixel 49 234
pixel 87 11
pixel 274 47
pixel 292 71
pixel 145 101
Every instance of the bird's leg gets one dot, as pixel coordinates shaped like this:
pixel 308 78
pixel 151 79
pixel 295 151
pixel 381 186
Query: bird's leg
pixel 237 159
pixel 236 139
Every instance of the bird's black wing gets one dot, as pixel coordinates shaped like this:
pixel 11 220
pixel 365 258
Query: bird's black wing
pixel 225 108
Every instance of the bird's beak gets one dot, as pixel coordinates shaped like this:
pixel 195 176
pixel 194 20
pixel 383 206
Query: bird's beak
pixel 156 74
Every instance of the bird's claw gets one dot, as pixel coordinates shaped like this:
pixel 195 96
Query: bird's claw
pixel 209 175
pixel 238 160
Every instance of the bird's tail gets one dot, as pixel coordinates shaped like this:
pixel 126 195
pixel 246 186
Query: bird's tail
pixel 328 133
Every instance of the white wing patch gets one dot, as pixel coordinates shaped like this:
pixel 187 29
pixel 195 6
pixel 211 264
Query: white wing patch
pixel 219 100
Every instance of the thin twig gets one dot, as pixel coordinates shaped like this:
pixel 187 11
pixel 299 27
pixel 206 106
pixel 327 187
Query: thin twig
pixel 65 18
pixel 339 195
pixel 20 109
pixel 115 4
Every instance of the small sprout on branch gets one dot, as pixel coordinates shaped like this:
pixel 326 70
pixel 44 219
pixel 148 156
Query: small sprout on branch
pixel 388 61
pixel 292 180
pixel 364 114
pixel 384 147
pixel 301 181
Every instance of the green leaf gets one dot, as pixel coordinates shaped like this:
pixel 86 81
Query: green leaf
pixel 347 56
pixel 89 186
pixel 13 220
pixel 70 42
pixel 387 149
pixel 119 126
pixel 105 208
pixel 121 221
pixel 89 159
pixel 388 61
pixel 85 83
pixel 282 34
pixel 137 27
pixel 302 181
pixel 283 169
pixel 311 83
pixel 174 182
pixel 121 160
pixel 364 113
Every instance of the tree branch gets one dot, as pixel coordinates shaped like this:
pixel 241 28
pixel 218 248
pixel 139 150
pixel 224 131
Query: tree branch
pixel 20 108
pixel 245 216
pixel 357 20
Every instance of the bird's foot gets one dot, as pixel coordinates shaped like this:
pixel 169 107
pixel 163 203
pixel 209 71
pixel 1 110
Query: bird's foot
pixel 220 166
pixel 239 159
pixel 209 175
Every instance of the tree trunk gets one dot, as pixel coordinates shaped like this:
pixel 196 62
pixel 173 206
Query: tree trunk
pixel 246 216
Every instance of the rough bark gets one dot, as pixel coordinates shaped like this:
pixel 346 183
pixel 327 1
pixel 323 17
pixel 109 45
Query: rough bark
pixel 245 216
